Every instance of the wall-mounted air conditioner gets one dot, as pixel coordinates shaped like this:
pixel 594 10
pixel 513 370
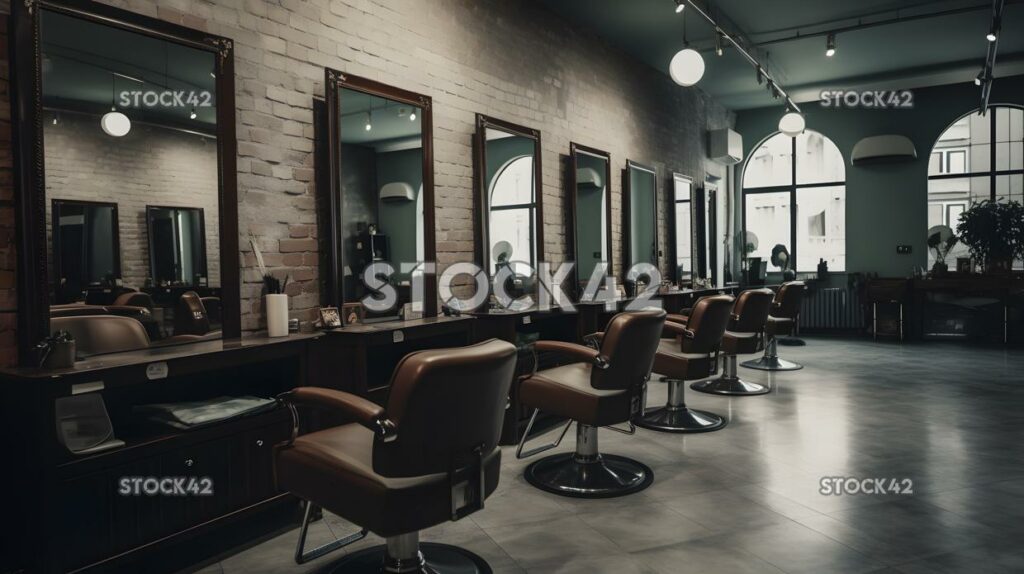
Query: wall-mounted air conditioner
pixel 397 191
pixel 725 146
pixel 883 149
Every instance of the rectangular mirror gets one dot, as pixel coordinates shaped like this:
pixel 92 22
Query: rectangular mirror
pixel 122 111
pixel 510 231
pixel 590 211
pixel 640 216
pixel 381 200
pixel 86 248
pixel 177 246
pixel 706 232
pixel 682 229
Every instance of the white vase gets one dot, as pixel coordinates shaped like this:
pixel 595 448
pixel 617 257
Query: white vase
pixel 277 315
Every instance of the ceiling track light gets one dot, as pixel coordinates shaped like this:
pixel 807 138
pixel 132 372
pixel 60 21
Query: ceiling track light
pixel 369 120
pixel 718 43
pixel 830 45
pixel 680 6
pixel 993 32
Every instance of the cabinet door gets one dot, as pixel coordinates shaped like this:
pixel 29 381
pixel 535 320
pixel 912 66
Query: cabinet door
pixel 260 444
pixel 84 511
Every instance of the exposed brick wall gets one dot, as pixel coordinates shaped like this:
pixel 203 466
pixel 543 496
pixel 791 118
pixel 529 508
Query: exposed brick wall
pixel 510 59
pixel 149 166
pixel 8 297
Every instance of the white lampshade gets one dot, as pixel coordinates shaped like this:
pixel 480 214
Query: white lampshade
pixel 792 124
pixel 686 67
pixel 115 124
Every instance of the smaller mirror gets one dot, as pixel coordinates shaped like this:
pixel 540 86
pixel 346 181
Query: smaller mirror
pixel 590 210
pixel 705 217
pixel 177 246
pixel 511 227
pixel 86 248
pixel 682 228
pixel 640 216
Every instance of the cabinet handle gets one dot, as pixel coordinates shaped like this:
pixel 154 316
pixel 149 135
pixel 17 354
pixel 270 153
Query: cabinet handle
pixel 189 462
pixel 259 442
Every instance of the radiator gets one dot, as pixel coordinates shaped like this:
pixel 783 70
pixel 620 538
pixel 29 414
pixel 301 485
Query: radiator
pixel 835 308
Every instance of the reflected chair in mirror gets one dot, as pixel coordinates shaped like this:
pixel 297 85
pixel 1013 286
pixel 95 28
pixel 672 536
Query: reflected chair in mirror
pixel 598 388
pixel 101 334
pixel 782 320
pixel 691 354
pixel 134 299
pixel 429 456
pixel 744 335
pixel 190 316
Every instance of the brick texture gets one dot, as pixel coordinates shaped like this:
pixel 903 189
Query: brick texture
pixel 510 59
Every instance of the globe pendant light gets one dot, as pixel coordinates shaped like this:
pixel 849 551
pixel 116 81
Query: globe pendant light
pixel 686 67
pixel 792 124
pixel 114 123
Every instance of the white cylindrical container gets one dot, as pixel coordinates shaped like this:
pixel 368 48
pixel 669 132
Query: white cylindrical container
pixel 277 315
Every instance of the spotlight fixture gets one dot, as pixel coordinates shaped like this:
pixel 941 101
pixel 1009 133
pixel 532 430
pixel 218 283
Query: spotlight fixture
pixel 54 119
pixel 718 43
pixel 680 6
pixel 993 32
pixel 192 114
pixel 412 116
pixel 830 45
pixel 792 123
pixel 979 78
pixel 369 121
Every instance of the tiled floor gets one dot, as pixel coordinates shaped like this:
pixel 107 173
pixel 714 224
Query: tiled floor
pixel 745 499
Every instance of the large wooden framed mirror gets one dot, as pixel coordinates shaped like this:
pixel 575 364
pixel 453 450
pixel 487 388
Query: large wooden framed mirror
pixel 681 229
pixel 640 221
pixel 510 213
pixel 706 232
pixel 380 200
pixel 590 212
pixel 114 111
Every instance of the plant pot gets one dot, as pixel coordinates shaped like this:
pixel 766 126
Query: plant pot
pixel 61 356
pixel 939 268
pixel 276 307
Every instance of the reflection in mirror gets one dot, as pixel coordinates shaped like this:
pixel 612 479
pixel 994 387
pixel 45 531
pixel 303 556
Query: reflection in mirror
pixel 508 156
pixel 86 247
pixel 641 216
pixel 590 198
pixel 128 120
pixel 709 233
pixel 381 160
pixel 177 246
pixel 682 230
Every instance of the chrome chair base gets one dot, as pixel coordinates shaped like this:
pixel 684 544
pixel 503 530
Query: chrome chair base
pixel 436 559
pixel 599 476
pixel 680 420
pixel 730 383
pixel 734 386
pixel 772 364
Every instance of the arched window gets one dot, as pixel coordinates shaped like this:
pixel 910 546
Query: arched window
pixel 512 207
pixel 794 195
pixel 978 157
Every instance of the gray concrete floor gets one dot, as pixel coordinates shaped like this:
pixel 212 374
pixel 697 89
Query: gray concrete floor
pixel 746 498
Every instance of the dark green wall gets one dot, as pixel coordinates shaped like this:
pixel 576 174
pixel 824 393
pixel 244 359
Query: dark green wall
pixel 886 203
pixel 642 232
pixel 589 209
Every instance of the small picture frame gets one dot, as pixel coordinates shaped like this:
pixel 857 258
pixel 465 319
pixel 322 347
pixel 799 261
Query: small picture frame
pixel 352 313
pixel 330 318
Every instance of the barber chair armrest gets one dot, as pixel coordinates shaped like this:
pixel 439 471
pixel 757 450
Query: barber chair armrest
pixel 578 353
pixel 681 319
pixel 363 411
pixel 674 329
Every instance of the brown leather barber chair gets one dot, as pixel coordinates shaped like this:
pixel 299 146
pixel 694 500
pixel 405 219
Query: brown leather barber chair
pixel 691 354
pixel 428 457
pixel 744 335
pixel 600 388
pixel 134 299
pixel 190 317
pixel 99 334
pixel 782 321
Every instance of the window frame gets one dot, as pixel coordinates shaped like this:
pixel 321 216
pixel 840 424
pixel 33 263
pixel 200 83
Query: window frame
pixel 791 188
pixel 530 207
pixel 991 142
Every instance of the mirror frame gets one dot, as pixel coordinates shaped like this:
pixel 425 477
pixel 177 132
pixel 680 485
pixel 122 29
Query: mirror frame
pixel 480 221
pixel 334 82
pixel 574 150
pixel 627 192
pixel 55 230
pixel 706 230
pixel 673 227
pixel 29 174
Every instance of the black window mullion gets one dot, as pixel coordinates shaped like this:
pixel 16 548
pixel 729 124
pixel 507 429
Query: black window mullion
pixel 792 208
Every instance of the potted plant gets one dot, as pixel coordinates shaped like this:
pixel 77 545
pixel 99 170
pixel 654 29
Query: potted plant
pixel 993 231
pixel 941 240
